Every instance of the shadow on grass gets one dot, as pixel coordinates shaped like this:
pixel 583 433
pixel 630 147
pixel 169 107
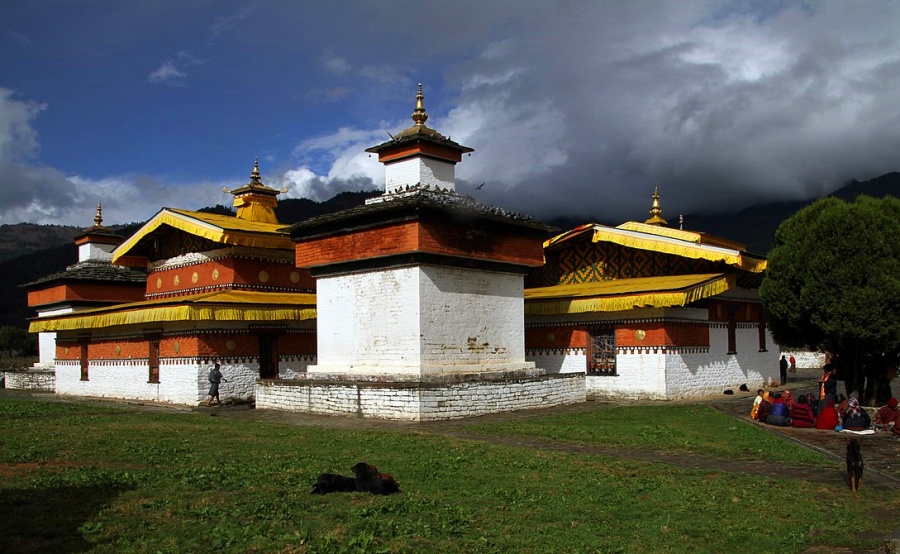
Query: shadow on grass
pixel 48 520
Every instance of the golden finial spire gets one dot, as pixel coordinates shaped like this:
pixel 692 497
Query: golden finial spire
pixel 419 116
pixel 98 217
pixel 656 211
pixel 254 175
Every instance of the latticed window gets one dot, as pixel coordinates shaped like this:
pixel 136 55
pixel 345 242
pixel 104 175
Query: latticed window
pixel 602 357
pixel 154 361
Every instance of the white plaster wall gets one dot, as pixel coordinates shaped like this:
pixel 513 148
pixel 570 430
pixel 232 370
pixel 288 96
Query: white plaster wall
pixel 47 340
pixel 424 171
pixel 368 322
pixel 639 375
pixel 570 360
pixel 470 318
pixel 96 252
pixel 420 320
pixel 690 375
pixel 805 359
pixel 293 367
pixel 181 381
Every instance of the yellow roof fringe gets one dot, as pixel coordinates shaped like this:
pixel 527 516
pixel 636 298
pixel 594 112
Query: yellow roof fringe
pixel 213 306
pixel 663 240
pixel 217 228
pixel 626 294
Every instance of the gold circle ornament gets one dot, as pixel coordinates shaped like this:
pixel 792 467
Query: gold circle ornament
pixel 295 277
pixel 67 350
pixel 176 347
pixel 195 277
pixel 118 350
pixel 215 274
pixel 640 335
pixel 263 276
pixel 159 282
pixel 176 280
pixel 231 345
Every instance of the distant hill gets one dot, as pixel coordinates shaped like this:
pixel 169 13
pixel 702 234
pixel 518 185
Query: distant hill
pixel 29 252
pixel 23 238
pixel 755 226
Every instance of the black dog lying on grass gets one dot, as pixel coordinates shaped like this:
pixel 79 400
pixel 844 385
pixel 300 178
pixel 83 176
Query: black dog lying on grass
pixel 367 479
pixel 854 464
pixel 332 482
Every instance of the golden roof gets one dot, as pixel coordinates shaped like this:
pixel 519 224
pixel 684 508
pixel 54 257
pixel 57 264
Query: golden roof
pixel 223 229
pixel 626 294
pixel 676 242
pixel 232 305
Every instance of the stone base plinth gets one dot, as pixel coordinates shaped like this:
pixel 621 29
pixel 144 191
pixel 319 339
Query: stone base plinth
pixel 37 379
pixel 426 399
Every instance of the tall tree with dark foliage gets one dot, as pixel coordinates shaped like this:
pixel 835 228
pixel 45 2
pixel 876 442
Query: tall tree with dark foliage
pixel 833 284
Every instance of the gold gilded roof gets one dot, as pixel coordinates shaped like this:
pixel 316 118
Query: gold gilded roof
pixel 626 294
pixel 211 306
pixel 223 229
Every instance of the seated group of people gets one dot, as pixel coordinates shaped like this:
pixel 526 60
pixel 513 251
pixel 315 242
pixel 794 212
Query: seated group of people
pixel 784 410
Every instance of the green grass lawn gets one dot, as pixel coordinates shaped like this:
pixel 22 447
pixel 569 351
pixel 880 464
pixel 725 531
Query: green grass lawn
pixel 86 478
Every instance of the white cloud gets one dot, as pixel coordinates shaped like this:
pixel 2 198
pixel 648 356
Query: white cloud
pixel 167 73
pixel 18 139
pixel 173 72
pixel 334 64
pixel 224 24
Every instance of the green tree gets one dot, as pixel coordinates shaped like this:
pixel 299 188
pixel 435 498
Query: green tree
pixel 15 341
pixel 833 284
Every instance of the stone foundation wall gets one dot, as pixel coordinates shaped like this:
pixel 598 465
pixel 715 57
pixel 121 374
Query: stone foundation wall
pixel 36 379
pixel 420 400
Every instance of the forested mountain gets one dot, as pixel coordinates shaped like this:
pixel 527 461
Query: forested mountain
pixel 29 252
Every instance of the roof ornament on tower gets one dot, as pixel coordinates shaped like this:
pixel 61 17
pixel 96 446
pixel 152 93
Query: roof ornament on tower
pixel 656 211
pixel 419 116
pixel 255 201
pixel 98 217
pixel 418 158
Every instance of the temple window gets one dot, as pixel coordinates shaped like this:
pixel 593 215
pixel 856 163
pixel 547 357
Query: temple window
pixel 154 360
pixel 762 332
pixel 83 356
pixel 602 355
pixel 732 331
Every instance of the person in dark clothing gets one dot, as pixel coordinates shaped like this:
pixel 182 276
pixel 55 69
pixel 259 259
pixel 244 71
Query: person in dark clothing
pixel 783 367
pixel 215 377
pixel 762 412
pixel 779 413
pixel 827 386
pixel 855 418
pixel 802 414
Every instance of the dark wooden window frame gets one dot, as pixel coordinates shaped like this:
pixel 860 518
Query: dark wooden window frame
pixel 601 356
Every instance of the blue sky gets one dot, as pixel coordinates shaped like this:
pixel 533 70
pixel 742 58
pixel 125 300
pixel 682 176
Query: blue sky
pixel 573 108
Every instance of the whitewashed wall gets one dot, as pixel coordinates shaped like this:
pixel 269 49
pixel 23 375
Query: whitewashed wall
pixel 420 320
pixel 805 359
pixel 414 171
pixel 559 360
pixel 181 380
pixel 670 373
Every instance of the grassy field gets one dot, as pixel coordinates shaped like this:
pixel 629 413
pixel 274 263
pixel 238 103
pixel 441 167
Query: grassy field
pixel 86 478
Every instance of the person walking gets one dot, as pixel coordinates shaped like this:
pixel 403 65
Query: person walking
pixel 783 366
pixel 215 377
pixel 793 362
